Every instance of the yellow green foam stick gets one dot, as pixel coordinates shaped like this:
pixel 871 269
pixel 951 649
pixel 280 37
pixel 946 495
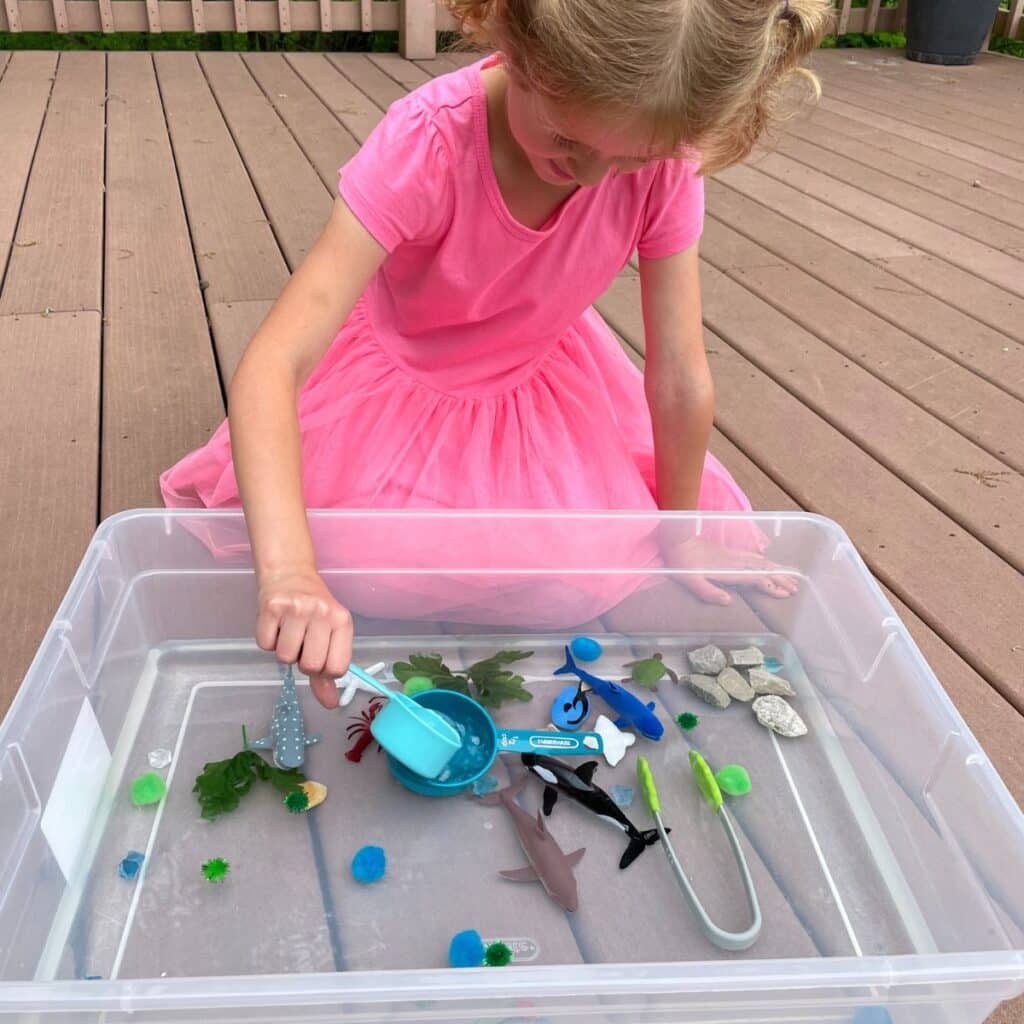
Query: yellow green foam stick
pixel 706 781
pixel 646 779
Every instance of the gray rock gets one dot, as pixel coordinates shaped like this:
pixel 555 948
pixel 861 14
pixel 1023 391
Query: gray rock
pixel 735 685
pixel 709 689
pixel 707 661
pixel 775 714
pixel 749 657
pixel 764 681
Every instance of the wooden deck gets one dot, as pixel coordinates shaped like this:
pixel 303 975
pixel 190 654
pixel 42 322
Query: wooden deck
pixel 864 301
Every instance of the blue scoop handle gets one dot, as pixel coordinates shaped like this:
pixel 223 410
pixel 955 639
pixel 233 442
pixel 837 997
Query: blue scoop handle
pixel 556 744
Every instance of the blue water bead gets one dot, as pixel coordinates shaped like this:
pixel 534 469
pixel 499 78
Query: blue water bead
pixel 772 664
pixel 485 785
pixel 872 1015
pixel 129 868
pixel 585 648
pixel 369 865
pixel 623 795
pixel 466 949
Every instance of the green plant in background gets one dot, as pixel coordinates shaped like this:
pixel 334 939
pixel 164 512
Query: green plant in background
pixel 236 42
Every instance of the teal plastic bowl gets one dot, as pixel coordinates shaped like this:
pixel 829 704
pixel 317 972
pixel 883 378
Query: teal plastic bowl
pixel 472 760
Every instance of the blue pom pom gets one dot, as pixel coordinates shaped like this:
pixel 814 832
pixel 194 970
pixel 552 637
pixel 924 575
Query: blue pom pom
pixel 129 868
pixel 585 648
pixel 466 949
pixel 369 865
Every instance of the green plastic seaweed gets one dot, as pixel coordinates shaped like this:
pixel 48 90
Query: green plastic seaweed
pixel 222 784
pixel 488 681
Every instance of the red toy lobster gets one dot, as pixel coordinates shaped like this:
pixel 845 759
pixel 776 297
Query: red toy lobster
pixel 359 730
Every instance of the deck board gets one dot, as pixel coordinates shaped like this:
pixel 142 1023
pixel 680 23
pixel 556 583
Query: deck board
pixel 24 92
pixel 48 463
pixel 961 399
pixel 56 261
pixel 976 346
pixel 864 294
pixel 234 248
pixel 161 395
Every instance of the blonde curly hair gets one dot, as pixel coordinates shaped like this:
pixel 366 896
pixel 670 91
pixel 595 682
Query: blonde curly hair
pixel 707 75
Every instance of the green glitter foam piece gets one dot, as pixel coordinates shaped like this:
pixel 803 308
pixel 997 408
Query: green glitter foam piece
pixel 147 789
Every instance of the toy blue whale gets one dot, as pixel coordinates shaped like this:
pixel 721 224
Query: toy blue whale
pixel 288 739
pixel 632 712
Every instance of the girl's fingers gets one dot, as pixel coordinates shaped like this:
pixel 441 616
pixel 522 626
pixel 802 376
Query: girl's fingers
pixel 703 589
pixel 290 638
pixel 267 625
pixel 325 690
pixel 314 647
pixel 339 653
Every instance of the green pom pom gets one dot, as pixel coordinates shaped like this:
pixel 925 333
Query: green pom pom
pixel 148 789
pixel 687 721
pixel 417 684
pixel 733 779
pixel 497 954
pixel 296 801
pixel 216 870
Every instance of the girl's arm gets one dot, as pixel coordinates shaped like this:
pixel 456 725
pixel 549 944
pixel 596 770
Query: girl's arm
pixel 681 397
pixel 677 379
pixel 298 617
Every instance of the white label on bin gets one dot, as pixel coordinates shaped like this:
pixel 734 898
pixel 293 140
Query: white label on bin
pixel 76 793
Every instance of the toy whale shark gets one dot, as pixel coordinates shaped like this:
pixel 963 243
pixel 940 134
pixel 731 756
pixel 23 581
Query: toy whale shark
pixel 547 863
pixel 287 739
pixel 578 784
pixel 632 712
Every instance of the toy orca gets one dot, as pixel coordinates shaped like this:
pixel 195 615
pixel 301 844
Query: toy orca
pixel 632 712
pixel 548 864
pixel 577 783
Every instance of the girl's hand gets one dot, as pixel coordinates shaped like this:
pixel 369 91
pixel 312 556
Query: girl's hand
pixel 300 620
pixel 697 552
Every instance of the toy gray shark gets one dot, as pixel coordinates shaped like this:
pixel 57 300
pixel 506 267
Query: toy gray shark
pixel 287 739
pixel 547 863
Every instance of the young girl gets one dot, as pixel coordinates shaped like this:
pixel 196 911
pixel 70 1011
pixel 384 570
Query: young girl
pixel 472 233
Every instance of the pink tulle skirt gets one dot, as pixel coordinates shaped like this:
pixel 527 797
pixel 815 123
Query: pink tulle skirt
pixel 572 433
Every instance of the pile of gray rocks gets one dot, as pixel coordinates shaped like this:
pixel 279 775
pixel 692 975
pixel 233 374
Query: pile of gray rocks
pixel 741 676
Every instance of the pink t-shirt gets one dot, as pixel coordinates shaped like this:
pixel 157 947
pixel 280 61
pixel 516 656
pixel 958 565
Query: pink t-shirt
pixel 466 286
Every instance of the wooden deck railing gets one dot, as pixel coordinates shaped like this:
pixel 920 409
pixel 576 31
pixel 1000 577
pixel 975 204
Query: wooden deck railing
pixel 417 21
pixel 876 18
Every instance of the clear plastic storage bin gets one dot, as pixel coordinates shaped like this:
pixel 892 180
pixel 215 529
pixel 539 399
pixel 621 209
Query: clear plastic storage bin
pixel 886 852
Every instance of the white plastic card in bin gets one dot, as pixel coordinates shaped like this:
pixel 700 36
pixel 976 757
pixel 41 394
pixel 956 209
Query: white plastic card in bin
pixel 76 792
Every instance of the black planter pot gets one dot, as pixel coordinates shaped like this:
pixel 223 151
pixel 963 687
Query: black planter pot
pixel 948 31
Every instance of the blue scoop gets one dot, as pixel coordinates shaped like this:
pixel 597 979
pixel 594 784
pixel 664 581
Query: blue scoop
pixel 480 743
pixel 418 737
